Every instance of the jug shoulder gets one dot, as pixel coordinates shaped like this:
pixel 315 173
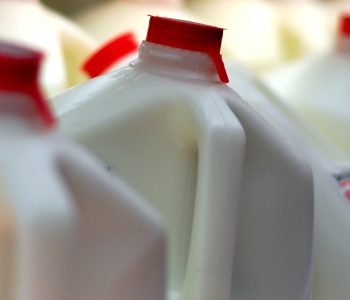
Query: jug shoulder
pixel 130 94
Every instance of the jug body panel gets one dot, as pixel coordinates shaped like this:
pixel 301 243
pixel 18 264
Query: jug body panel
pixel 275 207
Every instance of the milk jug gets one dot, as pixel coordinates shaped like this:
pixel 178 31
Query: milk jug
pixel 114 17
pixel 116 53
pixel 65 46
pixel 250 24
pixel 199 154
pixel 305 27
pixel 331 184
pixel 316 88
pixel 67 230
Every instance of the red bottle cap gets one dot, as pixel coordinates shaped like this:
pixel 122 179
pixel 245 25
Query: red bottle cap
pixel 19 72
pixel 109 54
pixel 189 36
pixel 344 25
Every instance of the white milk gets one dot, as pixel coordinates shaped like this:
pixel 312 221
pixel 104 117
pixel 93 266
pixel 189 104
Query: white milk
pixel 332 199
pixel 65 46
pixel 67 230
pixel 189 144
pixel 317 88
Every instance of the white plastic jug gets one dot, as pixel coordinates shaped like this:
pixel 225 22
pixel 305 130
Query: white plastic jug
pixel 331 185
pixel 67 230
pixel 250 24
pixel 187 142
pixel 111 18
pixel 317 88
pixel 305 27
pixel 65 46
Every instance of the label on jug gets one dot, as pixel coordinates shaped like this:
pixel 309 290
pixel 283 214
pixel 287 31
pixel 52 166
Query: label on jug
pixel 343 180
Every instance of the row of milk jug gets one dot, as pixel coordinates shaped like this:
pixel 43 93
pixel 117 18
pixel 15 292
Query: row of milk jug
pixel 252 210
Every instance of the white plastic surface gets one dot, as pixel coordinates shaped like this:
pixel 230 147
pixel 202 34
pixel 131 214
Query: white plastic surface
pixel 67 231
pixel 64 45
pixel 317 88
pixel 332 209
pixel 185 142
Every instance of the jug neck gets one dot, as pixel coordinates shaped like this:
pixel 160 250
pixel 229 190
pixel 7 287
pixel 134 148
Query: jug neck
pixel 174 61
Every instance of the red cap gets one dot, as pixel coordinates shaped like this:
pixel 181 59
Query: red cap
pixel 109 54
pixel 19 72
pixel 189 36
pixel 344 25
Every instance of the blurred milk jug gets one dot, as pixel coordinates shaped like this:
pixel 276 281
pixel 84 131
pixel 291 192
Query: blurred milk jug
pixel 30 23
pixel 317 88
pixel 175 132
pixel 304 27
pixel 67 230
pixel 250 24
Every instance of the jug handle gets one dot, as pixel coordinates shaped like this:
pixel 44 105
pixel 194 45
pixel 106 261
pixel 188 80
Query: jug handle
pixel 210 260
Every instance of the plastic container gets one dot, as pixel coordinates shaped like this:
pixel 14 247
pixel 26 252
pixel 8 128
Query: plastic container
pixel 250 24
pixel 196 151
pixel 305 27
pixel 67 230
pixel 316 88
pixel 65 46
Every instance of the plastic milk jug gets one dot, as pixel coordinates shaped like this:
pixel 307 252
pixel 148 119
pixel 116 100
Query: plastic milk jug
pixel 67 230
pixel 331 184
pixel 199 154
pixel 305 27
pixel 250 24
pixel 65 46
pixel 317 89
